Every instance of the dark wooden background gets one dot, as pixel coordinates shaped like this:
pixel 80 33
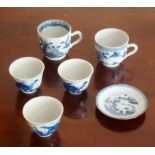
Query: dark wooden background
pixel 82 124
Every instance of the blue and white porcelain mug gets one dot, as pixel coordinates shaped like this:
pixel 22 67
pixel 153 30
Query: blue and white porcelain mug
pixel 43 114
pixel 27 72
pixel 76 75
pixel 55 38
pixel 112 46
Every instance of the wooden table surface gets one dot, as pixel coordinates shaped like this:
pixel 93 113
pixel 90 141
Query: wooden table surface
pixel 82 124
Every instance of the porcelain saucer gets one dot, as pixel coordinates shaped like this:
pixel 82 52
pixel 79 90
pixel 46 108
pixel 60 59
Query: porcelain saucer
pixel 121 101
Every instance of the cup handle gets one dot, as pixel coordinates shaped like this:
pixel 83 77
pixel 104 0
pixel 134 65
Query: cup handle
pixel 77 40
pixel 132 45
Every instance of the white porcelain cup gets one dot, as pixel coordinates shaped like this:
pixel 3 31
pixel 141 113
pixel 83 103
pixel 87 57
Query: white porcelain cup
pixel 75 74
pixel 27 72
pixel 43 114
pixel 55 38
pixel 112 46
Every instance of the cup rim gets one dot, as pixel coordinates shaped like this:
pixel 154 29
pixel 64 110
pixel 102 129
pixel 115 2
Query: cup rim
pixel 43 123
pixel 127 37
pixel 43 22
pixel 24 79
pixel 70 80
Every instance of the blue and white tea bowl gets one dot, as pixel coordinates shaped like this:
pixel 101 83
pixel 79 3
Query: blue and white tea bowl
pixel 76 75
pixel 112 46
pixel 27 72
pixel 55 38
pixel 43 114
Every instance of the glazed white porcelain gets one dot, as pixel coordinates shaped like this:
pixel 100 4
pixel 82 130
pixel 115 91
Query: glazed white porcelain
pixel 76 75
pixel 27 72
pixel 121 101
pixel 43 114
pixel 112 46
pixel 55 38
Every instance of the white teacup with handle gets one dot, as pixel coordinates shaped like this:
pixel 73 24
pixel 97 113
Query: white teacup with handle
pixel 55 38
pixel 112 46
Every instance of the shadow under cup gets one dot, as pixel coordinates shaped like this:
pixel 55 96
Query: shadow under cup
pixel 43 114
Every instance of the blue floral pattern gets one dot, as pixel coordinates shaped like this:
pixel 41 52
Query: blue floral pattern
pixel 111 56
pixel 121 104
pixel 55 51
pixel 27 86
pixel 73 89
pixel 108 55
pixel 45 131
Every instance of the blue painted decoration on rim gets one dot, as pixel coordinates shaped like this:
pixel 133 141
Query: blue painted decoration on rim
pixel 51 23
pixel 73 89
pixel 45 131
pixel 55 51
pixel 28 88
pixel 120 104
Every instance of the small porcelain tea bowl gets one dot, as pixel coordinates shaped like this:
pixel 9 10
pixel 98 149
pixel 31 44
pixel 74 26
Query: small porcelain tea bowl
pixel 76 75
pixel 27 72
pixel 43 114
